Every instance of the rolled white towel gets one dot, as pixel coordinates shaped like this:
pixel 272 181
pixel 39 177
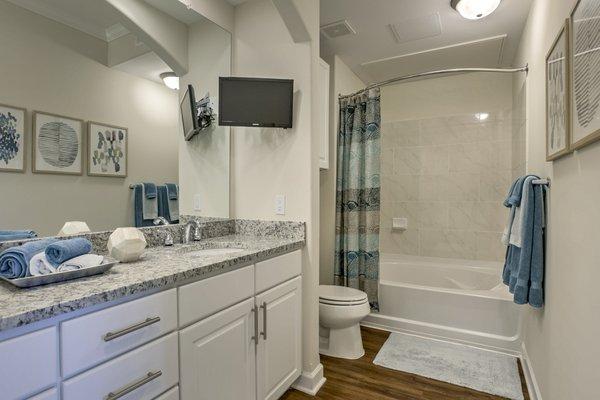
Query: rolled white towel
pixel 80 262
pixel 39 265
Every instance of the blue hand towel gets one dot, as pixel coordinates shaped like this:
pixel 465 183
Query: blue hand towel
pixel 14 262
pixel 16 235
pixel 167 208
pixel 172 190
pixel 138 208
pixel 149 190
pixel 64 250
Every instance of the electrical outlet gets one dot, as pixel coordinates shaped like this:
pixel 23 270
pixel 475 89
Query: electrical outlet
pixel 280 204
pixel 197 202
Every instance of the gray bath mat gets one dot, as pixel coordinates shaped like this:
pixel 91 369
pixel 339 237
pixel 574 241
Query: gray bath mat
pixel 460 365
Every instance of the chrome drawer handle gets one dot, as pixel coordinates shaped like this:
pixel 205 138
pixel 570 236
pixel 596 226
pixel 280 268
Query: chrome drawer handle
pixel 264 332
pixel 255 312
pixel 150 376
pixel 113 335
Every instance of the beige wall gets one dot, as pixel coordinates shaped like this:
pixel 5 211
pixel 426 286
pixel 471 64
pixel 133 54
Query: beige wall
pixel 343 81
pixel 49 67
pixel 204 160
pixel 266 162
pixel 445 170
pixel 562 338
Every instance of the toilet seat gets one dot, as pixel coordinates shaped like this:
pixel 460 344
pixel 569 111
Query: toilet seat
pixel 341 296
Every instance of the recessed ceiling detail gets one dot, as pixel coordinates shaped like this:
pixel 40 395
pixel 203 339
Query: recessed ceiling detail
pixel 412 29
pixel 337 29
pixel 474 54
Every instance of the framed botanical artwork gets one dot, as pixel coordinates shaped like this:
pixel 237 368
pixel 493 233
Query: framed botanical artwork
pixel 57 144
pixel 107 150
pixel 585 73
pixel 12 138
pixel 558 125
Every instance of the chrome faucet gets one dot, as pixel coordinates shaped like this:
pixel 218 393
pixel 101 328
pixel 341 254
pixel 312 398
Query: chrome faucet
pixel 168 236
pixel 188 235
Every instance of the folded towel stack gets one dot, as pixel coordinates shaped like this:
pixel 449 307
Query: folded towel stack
pixel 47 256
pixel 524 235
pixel 16 235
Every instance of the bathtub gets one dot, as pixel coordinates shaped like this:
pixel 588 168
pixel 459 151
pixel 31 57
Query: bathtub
pixel 458 300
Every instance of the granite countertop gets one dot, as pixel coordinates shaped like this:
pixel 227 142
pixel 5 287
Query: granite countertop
pixel 160 267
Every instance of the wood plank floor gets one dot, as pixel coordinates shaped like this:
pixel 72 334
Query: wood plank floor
pixel 363 380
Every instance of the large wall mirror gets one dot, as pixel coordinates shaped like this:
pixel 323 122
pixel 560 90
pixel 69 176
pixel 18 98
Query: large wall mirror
pixel 85 116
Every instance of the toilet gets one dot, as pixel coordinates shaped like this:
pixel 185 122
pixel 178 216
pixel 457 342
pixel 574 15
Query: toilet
pixel 340 311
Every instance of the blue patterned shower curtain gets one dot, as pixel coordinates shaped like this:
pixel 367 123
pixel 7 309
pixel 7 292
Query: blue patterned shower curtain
pixel 357 194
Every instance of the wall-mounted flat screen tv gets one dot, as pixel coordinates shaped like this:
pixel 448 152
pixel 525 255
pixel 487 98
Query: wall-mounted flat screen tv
pixel 256 102
pixel 189 113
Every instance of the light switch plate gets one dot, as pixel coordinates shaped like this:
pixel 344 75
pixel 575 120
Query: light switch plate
pixel 280 204
pixel 197 202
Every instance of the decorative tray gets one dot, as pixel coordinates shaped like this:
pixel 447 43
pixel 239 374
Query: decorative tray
pixel 31 281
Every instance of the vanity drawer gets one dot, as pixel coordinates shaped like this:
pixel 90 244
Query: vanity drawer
pixel 145 372
pixel 201 299
pixel 172 394
pixel 94 338
pixel 271 272
pixel 28 364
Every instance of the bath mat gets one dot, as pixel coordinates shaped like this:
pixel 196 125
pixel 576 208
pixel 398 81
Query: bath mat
pixel 481 370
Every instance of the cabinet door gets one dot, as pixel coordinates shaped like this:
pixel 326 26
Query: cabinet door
pixel 218 356
pixel 278 356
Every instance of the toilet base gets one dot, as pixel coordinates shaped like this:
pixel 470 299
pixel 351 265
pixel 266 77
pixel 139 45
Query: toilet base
pixel 341 343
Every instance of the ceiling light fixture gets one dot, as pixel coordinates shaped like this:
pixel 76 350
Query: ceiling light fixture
pixel 171 80
pixel 475 9
pixel 482 116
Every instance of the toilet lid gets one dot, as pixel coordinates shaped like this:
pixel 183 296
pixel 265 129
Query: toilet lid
pixel 341 294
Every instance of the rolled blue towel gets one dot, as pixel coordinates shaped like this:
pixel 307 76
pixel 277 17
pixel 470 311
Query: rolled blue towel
pixel 172 190
pixel 63 250
pixel 14 262
pixel 16 235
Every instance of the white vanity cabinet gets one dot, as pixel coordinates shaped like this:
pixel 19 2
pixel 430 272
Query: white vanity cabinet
pixel 278 353
pixel 234 336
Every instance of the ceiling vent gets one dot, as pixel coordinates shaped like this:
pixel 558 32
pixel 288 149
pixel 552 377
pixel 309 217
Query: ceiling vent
pixel 115 31
pixel 337 29
pixel 417 28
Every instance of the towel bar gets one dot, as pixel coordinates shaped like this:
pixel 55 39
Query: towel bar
pixel 545 182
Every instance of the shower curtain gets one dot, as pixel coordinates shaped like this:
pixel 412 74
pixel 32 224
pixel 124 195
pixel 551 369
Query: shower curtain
pixel 357 194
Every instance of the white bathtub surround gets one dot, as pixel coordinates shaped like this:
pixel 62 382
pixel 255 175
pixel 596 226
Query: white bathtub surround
pixel 340 311
pixel 459 300
pixel 448 176
pixel 482 370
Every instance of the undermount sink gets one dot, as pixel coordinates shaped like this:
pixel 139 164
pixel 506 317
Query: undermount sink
pixel 213 252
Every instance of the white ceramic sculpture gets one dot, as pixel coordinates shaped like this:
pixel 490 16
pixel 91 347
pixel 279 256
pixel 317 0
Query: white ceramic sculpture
pixel 74 228
pixel 126 244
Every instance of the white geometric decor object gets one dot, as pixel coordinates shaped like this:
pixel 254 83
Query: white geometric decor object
pixel 126 244
pixel 74 228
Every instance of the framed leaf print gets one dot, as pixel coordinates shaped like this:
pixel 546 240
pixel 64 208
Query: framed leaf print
pixel 12 138
pixel 107 150
pixel 585 73
pixel 57 144
pixel 557 97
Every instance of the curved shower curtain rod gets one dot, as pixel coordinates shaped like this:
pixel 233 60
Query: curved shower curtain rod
pixel 438 72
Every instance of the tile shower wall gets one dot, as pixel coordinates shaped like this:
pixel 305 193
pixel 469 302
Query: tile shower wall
pixel 448 176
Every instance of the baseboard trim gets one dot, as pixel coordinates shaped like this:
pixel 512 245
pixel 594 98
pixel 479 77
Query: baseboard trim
pixel 310 382
pixel 530 380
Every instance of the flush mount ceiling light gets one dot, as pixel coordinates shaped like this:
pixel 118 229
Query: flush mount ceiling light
pixel 475 9
pixel 171 80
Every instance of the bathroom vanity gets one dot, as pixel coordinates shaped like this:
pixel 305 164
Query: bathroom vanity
pixel 215 319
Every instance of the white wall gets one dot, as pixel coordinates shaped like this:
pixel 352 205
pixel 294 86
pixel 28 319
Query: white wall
pixel 562 338
pixel 53 68
pixel 343 81
pixel 204 160
pixel 266 162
